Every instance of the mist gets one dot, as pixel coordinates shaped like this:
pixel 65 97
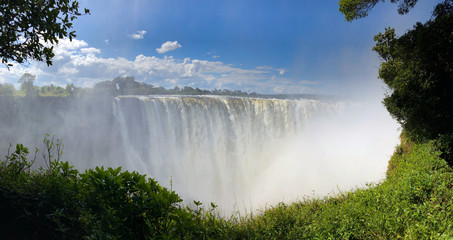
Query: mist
pixel 338 152
pixel 241 153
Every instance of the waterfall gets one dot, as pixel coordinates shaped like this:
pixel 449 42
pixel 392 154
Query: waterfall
pixel 211 147
pixel 236 152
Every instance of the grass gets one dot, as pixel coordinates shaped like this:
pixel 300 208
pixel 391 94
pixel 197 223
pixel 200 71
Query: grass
pixel 415 201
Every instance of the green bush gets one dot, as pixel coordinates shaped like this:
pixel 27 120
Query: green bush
pixel 61 203
pixel 415 201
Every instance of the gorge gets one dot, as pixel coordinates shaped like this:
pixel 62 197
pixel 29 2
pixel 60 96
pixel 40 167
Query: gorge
pixel 238 152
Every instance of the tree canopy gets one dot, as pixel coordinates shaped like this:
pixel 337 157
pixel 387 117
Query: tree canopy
pixel 26 84
pixel 29 27
pixel 355 9
pixel 418 69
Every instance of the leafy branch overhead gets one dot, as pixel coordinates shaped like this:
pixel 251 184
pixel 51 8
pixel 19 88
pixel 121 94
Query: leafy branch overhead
pixel 355 9
pixel 29 27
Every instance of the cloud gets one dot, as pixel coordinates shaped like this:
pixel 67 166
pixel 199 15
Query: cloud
pixel 281 71
pixel 214 54
pixel 76 62
pixel 168 46
pixel 65 47
pixel 90 50
pixel 138 35
pixel 264 68
pixel 66 44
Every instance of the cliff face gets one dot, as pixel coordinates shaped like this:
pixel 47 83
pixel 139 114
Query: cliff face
pixel 212 146
pixel 229 150
pixel 81 123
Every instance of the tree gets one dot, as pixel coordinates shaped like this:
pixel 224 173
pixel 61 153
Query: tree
pixel 106 87
pixel 72 90
pixel 418 69
pixel 7 89
pixel 29 27
pixel 126 85
pixel 355 9
pixel 26 84
pixel 52 90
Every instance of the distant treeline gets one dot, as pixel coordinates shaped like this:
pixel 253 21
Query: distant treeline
pixel 118 86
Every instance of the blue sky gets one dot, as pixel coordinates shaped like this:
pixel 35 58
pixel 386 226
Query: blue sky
pixel 278 46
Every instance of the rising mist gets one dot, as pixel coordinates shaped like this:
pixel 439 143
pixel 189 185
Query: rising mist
pixel 241 153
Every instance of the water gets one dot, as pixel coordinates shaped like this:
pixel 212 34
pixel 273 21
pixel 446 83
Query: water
pixel 212 148
pixel 241 153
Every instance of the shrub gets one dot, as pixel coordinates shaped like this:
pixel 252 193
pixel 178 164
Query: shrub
pixel 61 203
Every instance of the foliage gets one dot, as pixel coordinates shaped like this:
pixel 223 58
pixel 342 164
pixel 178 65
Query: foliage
pixel 27 88
pixel 56 91
pixel 127 85
pixel 72 90
pixel 355 9
pixel 7 89
pixel 60 203
pixel 414 202
pixel 417 68
pixel 30 26
pixel 26 84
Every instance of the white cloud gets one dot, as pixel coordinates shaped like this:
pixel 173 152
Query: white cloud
pixel 214 54
pixel 168 46
pixel 65 47
pixel 90 50
pixel 66 44
pixel 138 35
pixel 281 71
pixel 264 68
pixel 76 62
pixel 68 70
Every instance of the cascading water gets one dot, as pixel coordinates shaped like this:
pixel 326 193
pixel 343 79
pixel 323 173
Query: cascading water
pixel 234 151
pixel 212 148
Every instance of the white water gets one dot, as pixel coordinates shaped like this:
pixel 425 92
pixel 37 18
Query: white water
pixel 246 153
pixel 241 153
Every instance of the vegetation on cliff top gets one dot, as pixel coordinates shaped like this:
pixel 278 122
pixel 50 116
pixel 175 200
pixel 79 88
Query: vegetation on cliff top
pixel 126 85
